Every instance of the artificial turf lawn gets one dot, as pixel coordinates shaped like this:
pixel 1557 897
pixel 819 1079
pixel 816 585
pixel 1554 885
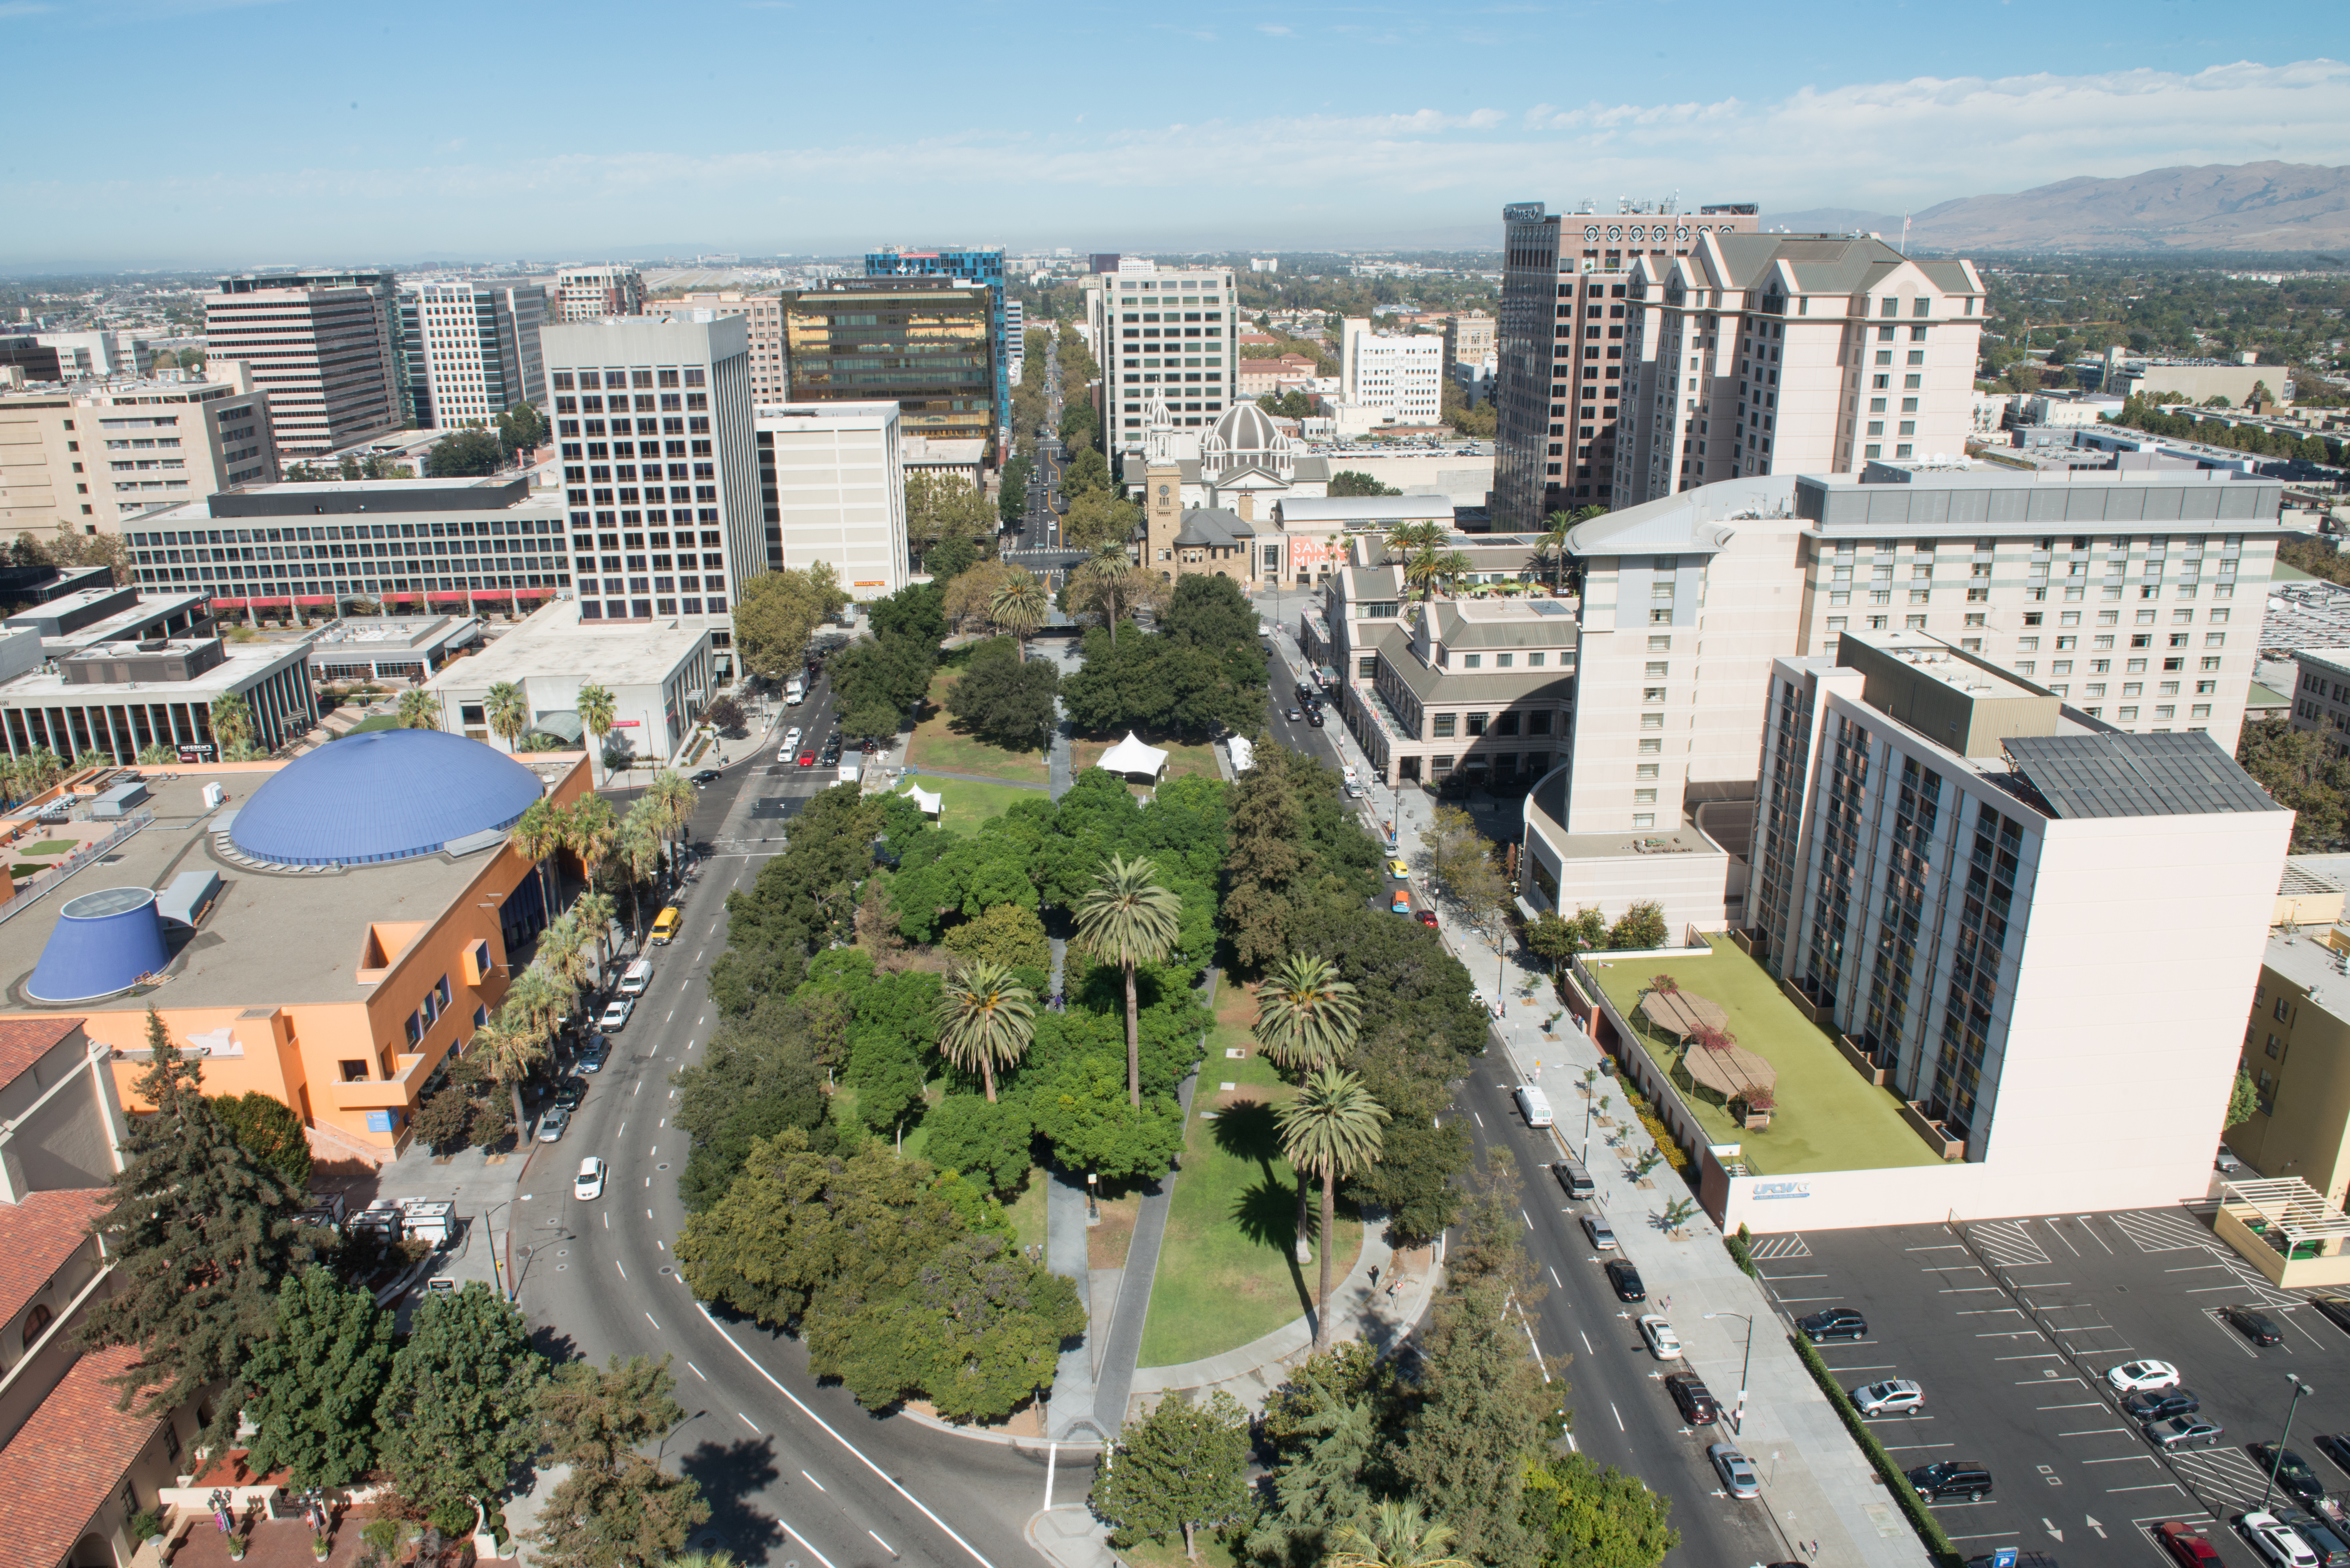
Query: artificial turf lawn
pixel 1225 1271
pixel 51 847
pixel 938 746
pixel 1828 1118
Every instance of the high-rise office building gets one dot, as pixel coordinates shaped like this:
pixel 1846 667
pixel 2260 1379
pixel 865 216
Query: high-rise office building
pixel 1562 366
pixel 1399 376
pixel 925 344
pixel 972 265
pixel 589 292
pixel 87 458
pixel 1162 335
pixel 472 350
pixel 833 478
pixel 660 474
pixel 1793 354
pixel 323 346
pixel 763 313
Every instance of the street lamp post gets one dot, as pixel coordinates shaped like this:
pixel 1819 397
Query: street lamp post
pixel 1737 1420
pixel 2276 1461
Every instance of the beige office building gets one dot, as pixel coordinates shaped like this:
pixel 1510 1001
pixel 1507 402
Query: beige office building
pixel 761 313
pixel 84 459
pixel 1162 335
pixel 591 293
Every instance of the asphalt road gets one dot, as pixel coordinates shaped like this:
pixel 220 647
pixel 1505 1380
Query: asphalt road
pixel 797 1475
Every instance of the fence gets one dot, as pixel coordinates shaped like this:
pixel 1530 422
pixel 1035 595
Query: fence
pixel 33 888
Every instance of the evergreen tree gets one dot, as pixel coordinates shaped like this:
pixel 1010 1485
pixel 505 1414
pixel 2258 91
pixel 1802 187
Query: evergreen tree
pixel 1597 1517
pixel 1184 1466
pixel 1325 1486
pixel 270 1132
pixel 315 1383
pixel 617 1509
pixel 456 1416
pixel 201 1235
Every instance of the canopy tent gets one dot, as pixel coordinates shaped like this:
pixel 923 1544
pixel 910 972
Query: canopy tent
pixel 925 800
pixel 1131 756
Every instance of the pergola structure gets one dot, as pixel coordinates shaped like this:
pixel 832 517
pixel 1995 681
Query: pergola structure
pixel 1733 1073
pixel 2286 1228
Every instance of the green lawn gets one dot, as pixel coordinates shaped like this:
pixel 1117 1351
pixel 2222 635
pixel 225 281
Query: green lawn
pixel 968 803
pixel 1182 756
pixel 937 744
pixel 381 722
pixel 51 847
pixel 1829 1117
pixel 1225 1274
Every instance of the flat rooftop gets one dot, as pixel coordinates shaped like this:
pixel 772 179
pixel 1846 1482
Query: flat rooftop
pixel 391 632
pixel 555 642
pixel 1828 1118
pixel 273 939
pixel 245 661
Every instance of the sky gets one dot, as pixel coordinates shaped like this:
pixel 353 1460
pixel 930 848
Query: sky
pixel 246 133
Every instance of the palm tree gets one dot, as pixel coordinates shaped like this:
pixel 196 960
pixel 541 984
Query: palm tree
pixel 157 755
pixel 537 833
pixel 588 830
pixel 507 1051
pixel 675 798
pixel 563 949
pixel 85 762
pixel 1128 919
pixel 1398 1538
pixel 1408 539
pixel 637 848
pixel 1114 586
pixel 1020 607
pixel 37 770
pixel 597 711
pixel 986 1018
pixel 1305 1015
pixel 508 710
pixel 419 709
pixel 592 909
pixel 1330 1129
pixel 232 723
pixel 1557 526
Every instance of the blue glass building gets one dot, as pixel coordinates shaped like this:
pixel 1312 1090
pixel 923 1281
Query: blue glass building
pixel 972 266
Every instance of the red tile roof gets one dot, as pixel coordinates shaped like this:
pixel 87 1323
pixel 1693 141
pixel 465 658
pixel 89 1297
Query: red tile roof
pixel 68 1459
pixel 37 1236
pixel 25 1041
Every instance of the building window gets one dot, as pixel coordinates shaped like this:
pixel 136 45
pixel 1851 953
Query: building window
pixel 1442 729
pixel 1651 748
pixel 1644 819
pixel 1476 723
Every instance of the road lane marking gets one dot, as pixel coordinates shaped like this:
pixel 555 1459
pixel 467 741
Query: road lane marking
pixel 803 1540
pixel 845 1443
pixel 885 1545
pixel 624 1125
pixel 816 1483
pixel 697 1371
pixel 750 1423
pixel 616 1264
pixel 608 1220
pixel 1586 1342
pixel 1618 1414
pixel 649 1318
pixel 1554 1279
pixel 648 1213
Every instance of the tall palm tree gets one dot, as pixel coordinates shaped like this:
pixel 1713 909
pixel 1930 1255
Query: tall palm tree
pixel 1306 1016
pixel 507 1052
pixel 157 755
pixel 1330 1129
pixel 1020 607
pixel 563 949
pixel 419 709
pixel 636 847
pixel 1408 539
pixel 538 834
pixel 986 1018
pixel 596 710
pixel 588 828
pixel 508 711
pixel 676 799
pixel 1556 527
pixel 593 909
pixel 1398 1538
pixel 232 723
pixel 1128 919
pixel 1114 586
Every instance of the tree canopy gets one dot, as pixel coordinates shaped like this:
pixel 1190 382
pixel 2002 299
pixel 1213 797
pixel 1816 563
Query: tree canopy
pixel 466 454
pixel 776 614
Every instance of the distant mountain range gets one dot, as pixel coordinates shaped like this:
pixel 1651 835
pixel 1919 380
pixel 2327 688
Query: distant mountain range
pixel 2247 207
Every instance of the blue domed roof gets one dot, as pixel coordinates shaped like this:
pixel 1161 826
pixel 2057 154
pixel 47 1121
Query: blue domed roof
pixel 384 795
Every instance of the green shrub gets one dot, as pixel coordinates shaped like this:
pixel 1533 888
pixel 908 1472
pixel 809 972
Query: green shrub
pixel 1739 1252
pixel 1921 1518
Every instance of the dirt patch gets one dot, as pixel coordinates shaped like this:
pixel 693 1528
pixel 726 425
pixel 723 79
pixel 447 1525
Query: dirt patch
pixel 1107 1243
pixel 1247 1094
pixel 1412 1263
pixel 1028 1421
pixel 1235 1004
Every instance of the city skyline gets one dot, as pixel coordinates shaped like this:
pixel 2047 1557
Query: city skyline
pixel 1277 128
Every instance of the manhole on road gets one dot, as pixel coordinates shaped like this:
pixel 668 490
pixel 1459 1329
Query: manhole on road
pixel 665 1268
pixel 662 1166
pixel 563 1252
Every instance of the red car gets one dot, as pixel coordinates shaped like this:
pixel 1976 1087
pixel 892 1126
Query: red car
pixel 1427 918
pixel 807 759
pixel 2185 1548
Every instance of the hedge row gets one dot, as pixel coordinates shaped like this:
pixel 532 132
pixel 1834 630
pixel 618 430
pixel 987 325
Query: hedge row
pixel 1921 1518
pixel 1739 1253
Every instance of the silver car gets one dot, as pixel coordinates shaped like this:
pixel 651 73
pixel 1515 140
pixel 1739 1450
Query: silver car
pixel 554 1125
pixel 1737 1471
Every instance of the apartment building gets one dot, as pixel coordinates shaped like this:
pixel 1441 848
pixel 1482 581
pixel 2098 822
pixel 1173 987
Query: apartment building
pixel 1562 373
pixel 2296 1050
pixel 1165 335
pixel 471 349
pixel 660 470
pixel 1399 376
pixel 1470 340
pixel 928 344
pixel 324 347
pixel 88 458
pixel 1482 688
pixel 1793 354
pixel 2004 910
pixel 2321 696
pixel 591 293
pixel 959 263
pixel 763 313
pixel 833 478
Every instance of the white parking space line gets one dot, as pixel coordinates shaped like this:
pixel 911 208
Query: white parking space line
pixel 2094 1432
pixel 649 1318
pixel 2123 1460
pixel 816 1483
pixel 803 1540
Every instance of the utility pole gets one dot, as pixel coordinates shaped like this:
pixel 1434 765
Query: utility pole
pixel 2276 1461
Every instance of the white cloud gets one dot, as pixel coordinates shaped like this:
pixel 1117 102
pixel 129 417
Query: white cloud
pixel 12 9
pixel 1275 30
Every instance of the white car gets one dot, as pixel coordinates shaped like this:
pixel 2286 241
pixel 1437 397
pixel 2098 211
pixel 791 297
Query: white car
pixel 616 1017
pixel 1663 1343
pixel 792 738
pixel 2141 1376
pixel 1894 1396
pixel 2276 1540
pixel 589 1183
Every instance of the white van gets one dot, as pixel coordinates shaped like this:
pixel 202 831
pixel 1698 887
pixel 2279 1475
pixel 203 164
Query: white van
pixel 1534 1106
pixel 794 692
pixel 636 977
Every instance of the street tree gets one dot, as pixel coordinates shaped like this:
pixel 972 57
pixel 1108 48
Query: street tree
pixel 1181 1469
pixel 463 454
pixel 1330 1128
pixel 1306 1016
pixel 315 1381
pixel 201 1235
pixel 977 1332
pixel 458 1411
pixel 986 1019
pixel 617 1507
pixel 1126 918
pixel 1099 519
pixel 1595 1515
pixel 1005 699
pixel 776 614
pixel 1352 481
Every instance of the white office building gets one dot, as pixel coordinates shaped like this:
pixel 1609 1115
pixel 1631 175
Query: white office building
pixel 1166 335
pixel 833 478
pixel 589 293
pixel 1398 377
pixel 472 350
pixel 2011 916
pixel 653 418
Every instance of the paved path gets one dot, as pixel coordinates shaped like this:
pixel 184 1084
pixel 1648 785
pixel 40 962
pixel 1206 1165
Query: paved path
pixel 1070 1412
pixel 1113 1384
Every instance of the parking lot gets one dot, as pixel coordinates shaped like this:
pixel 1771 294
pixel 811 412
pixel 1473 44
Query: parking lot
pixel 2011 1325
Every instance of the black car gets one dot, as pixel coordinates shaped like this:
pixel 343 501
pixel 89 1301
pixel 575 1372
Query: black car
pixel 2160 1405
pixel 1949 1479
pixel 2335 1445
pixel 1314 717
pixel 708 776
pixel 2252 1324
pixel 2293 1471
pixel 1835 1323
pixel 1697 1403
pixel 2318 1535
pixel 569 1093
pixel 1626 1281
pixel 2336 1310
